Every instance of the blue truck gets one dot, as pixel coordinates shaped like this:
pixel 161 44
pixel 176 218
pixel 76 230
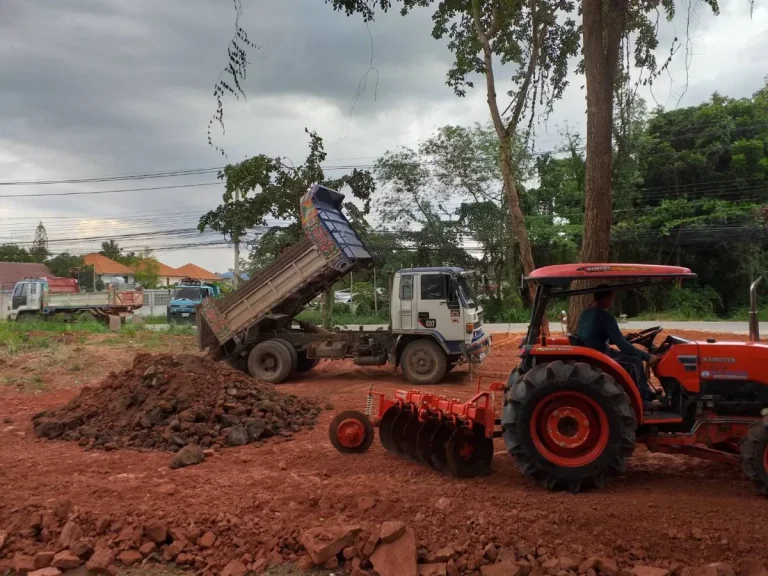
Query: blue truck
pixel 187 295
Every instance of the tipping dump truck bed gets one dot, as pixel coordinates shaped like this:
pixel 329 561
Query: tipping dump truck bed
pixel 276 294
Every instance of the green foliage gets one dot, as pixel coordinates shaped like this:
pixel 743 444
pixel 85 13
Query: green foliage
pixel 111 249
pixel 14 253
pixel 146 269
pixel 68 265
pixel 39 249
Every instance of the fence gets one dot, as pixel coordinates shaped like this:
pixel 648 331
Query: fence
pixel 155 303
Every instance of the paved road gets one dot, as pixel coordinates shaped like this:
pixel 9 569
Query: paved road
pixel 714 327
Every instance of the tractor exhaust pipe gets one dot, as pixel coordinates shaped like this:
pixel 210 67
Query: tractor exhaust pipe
pixel 754 320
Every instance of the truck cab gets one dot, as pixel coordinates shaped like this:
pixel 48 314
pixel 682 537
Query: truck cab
pixel 439 303
pixel 187 295
pixel 29 293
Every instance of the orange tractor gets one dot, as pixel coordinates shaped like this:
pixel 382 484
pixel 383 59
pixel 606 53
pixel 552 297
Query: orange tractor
pixel 571 415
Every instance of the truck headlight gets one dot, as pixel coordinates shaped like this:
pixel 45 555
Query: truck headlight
pixel 470 327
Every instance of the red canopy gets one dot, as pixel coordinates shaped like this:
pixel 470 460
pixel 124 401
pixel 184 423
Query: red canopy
pixel 566 272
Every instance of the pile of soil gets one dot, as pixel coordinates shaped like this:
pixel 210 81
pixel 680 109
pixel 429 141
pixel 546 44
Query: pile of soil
pixel 165 402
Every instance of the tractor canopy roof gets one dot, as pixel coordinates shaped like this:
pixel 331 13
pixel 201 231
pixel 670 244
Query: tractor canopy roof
pixel 562 274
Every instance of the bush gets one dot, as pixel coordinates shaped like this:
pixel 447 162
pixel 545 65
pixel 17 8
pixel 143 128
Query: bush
pixel 341 308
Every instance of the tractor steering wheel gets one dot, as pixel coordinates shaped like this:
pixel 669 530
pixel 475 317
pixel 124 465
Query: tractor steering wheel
pixel 645 337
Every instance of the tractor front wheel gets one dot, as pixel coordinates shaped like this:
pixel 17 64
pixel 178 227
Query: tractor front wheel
pixel 568 425
pixel 754 455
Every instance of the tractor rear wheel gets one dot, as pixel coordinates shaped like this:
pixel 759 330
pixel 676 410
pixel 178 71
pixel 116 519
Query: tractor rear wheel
pixel 568 425
pixel 754 455
pixel 270 361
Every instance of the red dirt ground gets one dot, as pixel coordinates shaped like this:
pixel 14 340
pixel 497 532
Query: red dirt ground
pixel 664 509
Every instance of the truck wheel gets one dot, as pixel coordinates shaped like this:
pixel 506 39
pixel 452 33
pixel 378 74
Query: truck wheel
pixel 306 364
pixel 754 455
pixel 424 362
pixel 269 361
pixel 568 425
pixel 292 352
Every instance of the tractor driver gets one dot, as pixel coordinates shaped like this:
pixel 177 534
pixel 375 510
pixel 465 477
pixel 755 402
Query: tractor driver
pixel 598 328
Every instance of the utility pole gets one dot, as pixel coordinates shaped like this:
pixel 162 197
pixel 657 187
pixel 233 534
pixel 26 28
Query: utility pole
pixel 236 269
pixel 375 296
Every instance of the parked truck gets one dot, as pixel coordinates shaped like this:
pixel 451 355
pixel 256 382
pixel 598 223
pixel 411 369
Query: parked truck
pixel 435 321
pixel 187 296
pixel 61 297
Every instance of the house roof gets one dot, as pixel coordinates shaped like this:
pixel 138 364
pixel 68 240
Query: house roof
pixel 12 272
pixel 230 274
pixel 194 271
pixel 104 265
pixel 166 270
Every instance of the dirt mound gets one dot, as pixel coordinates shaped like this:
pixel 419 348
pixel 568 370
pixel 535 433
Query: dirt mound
pixel 165 402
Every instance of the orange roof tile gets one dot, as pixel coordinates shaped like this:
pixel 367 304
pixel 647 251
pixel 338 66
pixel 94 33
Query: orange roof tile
pixel 166 270
pixel 194 271
pixel 104 265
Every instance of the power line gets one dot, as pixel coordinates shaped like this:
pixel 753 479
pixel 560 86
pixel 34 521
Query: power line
pixel 120 191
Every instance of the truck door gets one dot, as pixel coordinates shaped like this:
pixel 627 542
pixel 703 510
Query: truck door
pixel 19 297
pixel 35 293
pixel 406 302
pixel 437 309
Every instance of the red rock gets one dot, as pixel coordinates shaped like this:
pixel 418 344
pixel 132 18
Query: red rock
pixel 451 569
pixel 82 548
pixel 101 560
pixel 156 532
pixel 43 559
pixel 174 549
pixel 305 563
pixel 23 564
pixel 349 552
pixel 366 503
pixel 550 566
pixel 274 558
pixel 589 563
pixel 749 567
pixel 396 558
pixel 66 561
pixel 722 568
pixel 259 565
pixel 207 540
pixel 130 557
pixel 147 548
pixel 491 552
pixel 321 543
pixel 591 572
pixel 607 566
pixel 331 564
pixel 48 571
pixel 70 534
pixel 184 559
pixel 391 530
pixel 568 564
pixel 525 567
pixel 443 554
pixel 3 538
pixel 649 571
pixel 500 569
pixel 125 535
pixel 102 525
pixel 370 545
pixel 433 569
pixel 443 503
pixel 234 568
pixel 113 570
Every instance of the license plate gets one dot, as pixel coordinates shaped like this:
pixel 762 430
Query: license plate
pixel 185 314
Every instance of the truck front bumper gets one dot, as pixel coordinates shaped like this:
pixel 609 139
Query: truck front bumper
pixel 480 347
pixel 178 315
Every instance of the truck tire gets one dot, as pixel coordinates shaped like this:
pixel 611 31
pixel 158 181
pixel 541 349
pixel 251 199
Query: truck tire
pixel 306 364
pixel 292 352
pixel 269 361
pixel 568 425
pixel 424 362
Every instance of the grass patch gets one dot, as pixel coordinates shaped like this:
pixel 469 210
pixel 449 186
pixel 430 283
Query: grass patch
pixel 316 317
pixel 154 319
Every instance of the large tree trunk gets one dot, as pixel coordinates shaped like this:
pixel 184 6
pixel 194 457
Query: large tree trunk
pixel 603 23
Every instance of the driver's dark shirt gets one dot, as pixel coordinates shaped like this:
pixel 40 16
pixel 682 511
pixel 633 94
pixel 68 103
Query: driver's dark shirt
pixel 598 328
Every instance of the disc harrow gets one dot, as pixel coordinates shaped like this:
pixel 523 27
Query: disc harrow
pixel 448 435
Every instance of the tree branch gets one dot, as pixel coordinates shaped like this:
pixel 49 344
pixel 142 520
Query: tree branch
pixel 490 81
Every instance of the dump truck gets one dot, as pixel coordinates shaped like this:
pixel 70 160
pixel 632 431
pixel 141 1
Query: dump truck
pixel 61 297
pixel 435 321
pixel 187 295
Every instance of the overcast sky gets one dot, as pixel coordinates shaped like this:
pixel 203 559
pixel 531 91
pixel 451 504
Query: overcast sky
pixel 92 88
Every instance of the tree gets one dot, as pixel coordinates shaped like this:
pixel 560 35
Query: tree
pixel 146 269
pixel 111 249
pixel 271 188
pixel 39 249
pixel 14 253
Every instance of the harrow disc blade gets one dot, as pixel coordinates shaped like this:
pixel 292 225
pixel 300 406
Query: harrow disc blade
pixel 424 441
pixel 440 446
pixel 398 429
pixel 385 428
pixel 469 454
pixel 410 438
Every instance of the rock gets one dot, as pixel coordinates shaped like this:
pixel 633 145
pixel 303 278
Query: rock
pixel 234 568
pixel 607 566
pixel 82 548
pixel 102 524
pixel 391 530
pixel 49 428
pixel 23 564
pixel 49 571
pixel 70 534
pixel 305 563
pixel 396 558
pixel 3 538
pixel 255 428
pixel 321 543
pixel 130 557
pixel 443 503
pixel 433 569
pixel 525 567
pixel 156 532
pixel 113 571
pixel 190 455
pixel 101 560
pixel 370 544
pixel 649 571
pixel 349 552
pixel 207 540
pixel 491 552
pixel 501 569
pixel 175 549
pixel 451 569
pixel 443 554
pixel 331 564
pixel 722 568
pixel 749 567
pixel 147 548
pixel 66 561
pixel 237 436
pixel 550 566
pixel 259 566
pixel 43 559
pixel 184 559
pixel 567 564
pixel 588 564
pixel 366 503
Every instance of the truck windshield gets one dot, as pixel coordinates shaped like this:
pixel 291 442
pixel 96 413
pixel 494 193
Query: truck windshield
pixel 187 293
pixel 467 294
